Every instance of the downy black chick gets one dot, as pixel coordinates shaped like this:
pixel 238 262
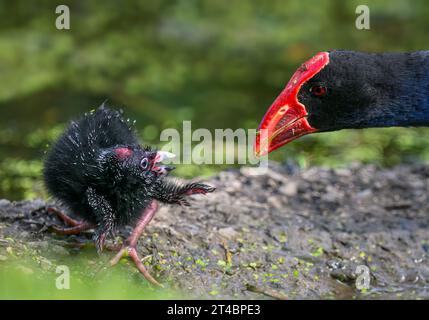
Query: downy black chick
pixel 98 170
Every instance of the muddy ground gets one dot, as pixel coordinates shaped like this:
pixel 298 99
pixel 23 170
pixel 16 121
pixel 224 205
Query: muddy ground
pixel 287 234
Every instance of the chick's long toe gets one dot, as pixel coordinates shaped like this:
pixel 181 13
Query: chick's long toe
pixel 129 248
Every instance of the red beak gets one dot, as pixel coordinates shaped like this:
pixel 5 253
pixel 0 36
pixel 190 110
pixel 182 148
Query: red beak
pixel 286 119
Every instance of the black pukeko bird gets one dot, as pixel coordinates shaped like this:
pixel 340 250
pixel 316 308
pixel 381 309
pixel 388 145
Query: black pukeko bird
pixel 348 90
pixel 98 169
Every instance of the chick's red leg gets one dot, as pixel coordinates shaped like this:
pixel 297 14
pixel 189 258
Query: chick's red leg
pixel 73 230
pixel 65 218
pixel 76 227
pixel 129 249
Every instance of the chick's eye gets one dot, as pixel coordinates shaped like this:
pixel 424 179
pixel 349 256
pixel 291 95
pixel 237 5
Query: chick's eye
pixel 318 91
pixel 144 163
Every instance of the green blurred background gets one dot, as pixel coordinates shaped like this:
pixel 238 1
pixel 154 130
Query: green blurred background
pixel 217 63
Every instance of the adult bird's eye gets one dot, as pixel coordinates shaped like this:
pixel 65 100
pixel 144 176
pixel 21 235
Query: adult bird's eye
pixel 144 163
pixel 318 91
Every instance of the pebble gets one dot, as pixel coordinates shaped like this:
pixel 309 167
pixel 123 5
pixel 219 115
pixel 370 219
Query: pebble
pixel 234 186
pixel 225 208
pixel 275 202
pixel 290 189
pixel 331 195
pixel 364 194
pixel 409 276
pixel 342 172
pixel 228 233
pixel 4 202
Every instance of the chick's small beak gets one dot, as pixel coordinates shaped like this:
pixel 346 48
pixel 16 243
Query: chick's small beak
pixel 163 155
pixel 159 157
pixel 286 119
pixel 163 170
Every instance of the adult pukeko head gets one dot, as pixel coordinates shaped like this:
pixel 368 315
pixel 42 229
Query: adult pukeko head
pixel 345 89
